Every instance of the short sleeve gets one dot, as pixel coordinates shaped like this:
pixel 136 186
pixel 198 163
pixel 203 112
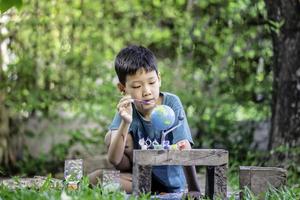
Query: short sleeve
pixel 115 123
pixel 183 131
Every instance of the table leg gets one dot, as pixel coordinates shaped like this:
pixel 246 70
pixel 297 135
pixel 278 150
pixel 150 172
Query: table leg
pixel 141 179
pixel 216 181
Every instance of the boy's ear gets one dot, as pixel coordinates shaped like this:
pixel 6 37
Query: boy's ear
pixel 121 88
pixel 159 78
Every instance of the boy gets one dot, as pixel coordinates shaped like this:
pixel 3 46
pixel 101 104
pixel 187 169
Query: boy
pixel 139 82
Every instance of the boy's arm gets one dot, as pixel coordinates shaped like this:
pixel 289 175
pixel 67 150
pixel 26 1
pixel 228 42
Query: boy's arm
pixel 190 171
pixel 116 149
pixel 120 146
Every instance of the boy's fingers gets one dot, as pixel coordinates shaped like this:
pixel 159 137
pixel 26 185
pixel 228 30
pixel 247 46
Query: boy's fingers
pixel 122 113
pixel 123 106
pixel 125 115
pixel 124 103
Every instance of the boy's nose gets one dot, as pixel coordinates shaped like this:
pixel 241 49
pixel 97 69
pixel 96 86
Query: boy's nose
pixel 146 91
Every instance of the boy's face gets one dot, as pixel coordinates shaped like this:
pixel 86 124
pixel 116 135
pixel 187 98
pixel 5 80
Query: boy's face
pixel 143 86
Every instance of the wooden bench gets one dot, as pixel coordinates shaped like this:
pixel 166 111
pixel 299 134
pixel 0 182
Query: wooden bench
pixel 260 179
pixel 215 160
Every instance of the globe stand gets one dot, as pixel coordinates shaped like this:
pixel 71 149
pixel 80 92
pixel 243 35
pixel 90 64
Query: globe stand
pixel 164 133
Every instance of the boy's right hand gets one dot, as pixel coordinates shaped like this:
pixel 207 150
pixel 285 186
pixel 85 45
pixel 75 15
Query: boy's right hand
pixel 125 109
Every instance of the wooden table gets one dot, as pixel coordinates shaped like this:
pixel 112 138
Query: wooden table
pixel 215 161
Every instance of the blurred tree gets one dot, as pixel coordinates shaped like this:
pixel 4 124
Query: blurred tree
pixel 4 130
pixel 7 4
pixel 284 20
pixel 224 54
pixel 6 156
pixel 214 54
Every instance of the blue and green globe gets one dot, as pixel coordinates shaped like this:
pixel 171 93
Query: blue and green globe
pixel 162 117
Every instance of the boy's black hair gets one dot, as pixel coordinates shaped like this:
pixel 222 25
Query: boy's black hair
pixel 133 58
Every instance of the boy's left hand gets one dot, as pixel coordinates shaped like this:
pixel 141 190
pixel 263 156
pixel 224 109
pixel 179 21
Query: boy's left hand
pixel 183 144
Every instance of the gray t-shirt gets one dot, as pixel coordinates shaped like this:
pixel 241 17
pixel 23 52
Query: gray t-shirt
pixel 172 177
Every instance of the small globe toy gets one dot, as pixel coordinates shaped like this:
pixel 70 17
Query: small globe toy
pixel 162 117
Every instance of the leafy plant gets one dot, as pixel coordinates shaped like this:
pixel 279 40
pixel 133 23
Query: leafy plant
pixel 215 55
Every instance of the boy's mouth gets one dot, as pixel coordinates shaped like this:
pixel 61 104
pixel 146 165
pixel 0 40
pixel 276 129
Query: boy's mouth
pixel 149 101
pixel 145 102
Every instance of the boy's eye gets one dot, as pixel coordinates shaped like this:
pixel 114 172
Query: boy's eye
pixel 136 86
pixel 151 83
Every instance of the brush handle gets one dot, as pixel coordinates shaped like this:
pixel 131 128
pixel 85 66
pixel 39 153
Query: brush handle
pixel 140 101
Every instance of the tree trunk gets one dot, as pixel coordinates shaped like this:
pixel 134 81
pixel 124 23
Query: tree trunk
pixel 4 131
pixel 4 124
pixel 7 140
pixel 284 16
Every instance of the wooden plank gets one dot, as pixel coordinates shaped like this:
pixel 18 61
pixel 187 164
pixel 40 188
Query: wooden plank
pixel 220 186
pixel 259 179
pixel 210 182
pixel 244 179
pixel 216 182
pixel 203 157
pixel 141 180
pixel 245 176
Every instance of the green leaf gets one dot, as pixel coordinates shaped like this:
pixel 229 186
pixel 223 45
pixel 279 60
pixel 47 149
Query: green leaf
pixel 7 4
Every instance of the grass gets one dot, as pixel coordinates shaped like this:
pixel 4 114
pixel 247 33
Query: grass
pixel 48 191
pixel 284 193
